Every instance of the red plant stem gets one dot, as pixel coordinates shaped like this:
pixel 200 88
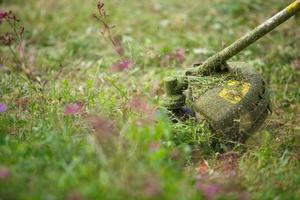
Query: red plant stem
pixel 106 25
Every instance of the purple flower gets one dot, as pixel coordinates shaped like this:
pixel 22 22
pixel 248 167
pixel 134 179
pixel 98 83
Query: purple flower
pixel 3 107
pixel 180 55
pixel 187 112
pixel 74 108
pixel 122 65
pixel 4 173
pixel 2 16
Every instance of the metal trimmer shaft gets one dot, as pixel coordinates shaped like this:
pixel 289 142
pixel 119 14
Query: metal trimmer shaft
pixel 217 60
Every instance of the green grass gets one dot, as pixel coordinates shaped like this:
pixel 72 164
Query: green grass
pixel 53 156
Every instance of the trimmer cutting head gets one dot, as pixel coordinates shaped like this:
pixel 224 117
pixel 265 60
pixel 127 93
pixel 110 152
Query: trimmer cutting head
pixel 234 102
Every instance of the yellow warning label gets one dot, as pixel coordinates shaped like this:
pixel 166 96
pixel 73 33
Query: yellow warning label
pixel 234 91
pixel 294 6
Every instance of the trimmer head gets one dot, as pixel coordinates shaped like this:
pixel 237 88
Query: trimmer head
pixel 234 102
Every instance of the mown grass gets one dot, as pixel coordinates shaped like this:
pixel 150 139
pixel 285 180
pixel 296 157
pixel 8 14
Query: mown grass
pixel 48 155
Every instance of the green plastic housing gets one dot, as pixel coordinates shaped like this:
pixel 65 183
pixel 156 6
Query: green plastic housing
pixel 235 102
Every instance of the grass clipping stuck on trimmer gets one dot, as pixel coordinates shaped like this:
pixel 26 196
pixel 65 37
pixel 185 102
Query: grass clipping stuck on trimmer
pixel 231 97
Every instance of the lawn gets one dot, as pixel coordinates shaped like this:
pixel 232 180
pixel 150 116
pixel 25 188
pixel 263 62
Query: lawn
pixel 81 118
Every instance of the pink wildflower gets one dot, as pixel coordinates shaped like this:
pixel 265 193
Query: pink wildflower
pixel 122 65
pixel 4 173
pixel 180 55
pixel 3 15
pixel 73 108
pixel 174 57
